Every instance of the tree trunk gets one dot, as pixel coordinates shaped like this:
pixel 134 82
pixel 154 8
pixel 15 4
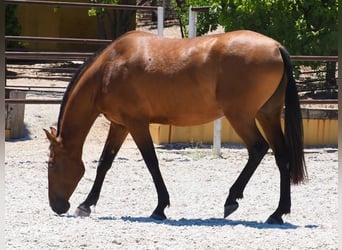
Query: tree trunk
pixel 330 77
pixel 114 23
pixel 125 20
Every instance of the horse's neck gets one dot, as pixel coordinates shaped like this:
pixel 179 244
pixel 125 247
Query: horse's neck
pixel 78 116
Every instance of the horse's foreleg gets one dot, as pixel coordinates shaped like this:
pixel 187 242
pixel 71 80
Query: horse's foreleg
pixel 257 148
pixel 115 138
pixel 141 135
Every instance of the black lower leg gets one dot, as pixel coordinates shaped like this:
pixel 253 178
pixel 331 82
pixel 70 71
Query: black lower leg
pixel 151 161
pixel 163 195
pixel 284 206
pixel 163 200
pixel 94 194
pixel 256 153
pixel 141 135
pixel 115 138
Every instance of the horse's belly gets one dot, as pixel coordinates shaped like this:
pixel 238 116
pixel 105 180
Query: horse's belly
pixel 188 116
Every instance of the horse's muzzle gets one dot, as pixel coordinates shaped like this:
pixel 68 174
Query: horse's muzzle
pixel 59 206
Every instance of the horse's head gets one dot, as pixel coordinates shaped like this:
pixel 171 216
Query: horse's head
pixel 64 172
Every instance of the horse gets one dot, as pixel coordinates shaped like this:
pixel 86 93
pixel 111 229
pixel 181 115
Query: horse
pixel 142 78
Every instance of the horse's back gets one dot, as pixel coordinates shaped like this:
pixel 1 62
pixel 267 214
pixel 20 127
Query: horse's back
pixel 189 81
pixel 170 57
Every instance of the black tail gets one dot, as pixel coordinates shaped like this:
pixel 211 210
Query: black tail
pixel 293 124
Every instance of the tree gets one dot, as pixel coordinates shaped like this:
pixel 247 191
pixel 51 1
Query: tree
pixel 120 21
pixel 304 27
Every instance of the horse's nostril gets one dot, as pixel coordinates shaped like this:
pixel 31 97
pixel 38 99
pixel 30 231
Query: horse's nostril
pixel 60 206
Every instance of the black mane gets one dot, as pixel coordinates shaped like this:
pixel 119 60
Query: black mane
pixel 73 82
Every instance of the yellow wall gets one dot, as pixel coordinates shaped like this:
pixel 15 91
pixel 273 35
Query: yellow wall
pixel 317 132
pixel 320 132
pixel 61 22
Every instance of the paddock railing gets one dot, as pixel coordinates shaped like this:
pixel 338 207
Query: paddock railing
pixel 65 56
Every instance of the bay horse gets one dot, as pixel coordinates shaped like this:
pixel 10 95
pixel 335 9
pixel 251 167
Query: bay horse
pixel 142 78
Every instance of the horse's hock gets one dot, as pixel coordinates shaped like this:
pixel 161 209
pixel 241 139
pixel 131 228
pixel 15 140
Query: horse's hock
pixel 14 115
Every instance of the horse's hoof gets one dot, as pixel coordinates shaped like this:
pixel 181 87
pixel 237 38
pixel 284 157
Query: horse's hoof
pixel 83 211
pixel 229 209
pixel 157 216
pixel 274 220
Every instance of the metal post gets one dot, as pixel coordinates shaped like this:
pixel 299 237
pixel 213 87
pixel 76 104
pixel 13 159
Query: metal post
pixel 192 22
pixel 160 18
pixel 217 123
pixel 340 118
pixel 2 123
pixel 217 137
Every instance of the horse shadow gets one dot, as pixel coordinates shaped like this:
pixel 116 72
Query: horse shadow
pixel 211 222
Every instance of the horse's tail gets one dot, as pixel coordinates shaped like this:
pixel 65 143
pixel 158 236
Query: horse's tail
pixel 293 124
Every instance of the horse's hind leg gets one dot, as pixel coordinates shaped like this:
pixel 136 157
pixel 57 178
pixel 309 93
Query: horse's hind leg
pixel 257 148
pixel 270 122
pixel 115 138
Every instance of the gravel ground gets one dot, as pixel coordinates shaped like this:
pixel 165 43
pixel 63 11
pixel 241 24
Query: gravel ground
pixel 198 184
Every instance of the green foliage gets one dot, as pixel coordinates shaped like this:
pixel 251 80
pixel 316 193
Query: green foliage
pixel 304 27
pixel 307 27
pixel 100 11
pixel 205 21
pixel 12 26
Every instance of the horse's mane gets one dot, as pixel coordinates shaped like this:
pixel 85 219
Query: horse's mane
pixel 73 82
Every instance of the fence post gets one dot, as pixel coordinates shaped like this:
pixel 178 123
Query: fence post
pixel 160 18
pixel 2 125
pixel 192 22
pixel 217 137
pixel 217 123
pixel 14 115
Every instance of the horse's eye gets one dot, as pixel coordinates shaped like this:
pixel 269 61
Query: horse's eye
pixel 51 164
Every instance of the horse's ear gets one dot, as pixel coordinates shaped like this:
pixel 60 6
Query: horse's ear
pixel 53 131
pixel 51 135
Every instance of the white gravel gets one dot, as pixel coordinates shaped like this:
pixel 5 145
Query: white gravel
pixel 198 185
